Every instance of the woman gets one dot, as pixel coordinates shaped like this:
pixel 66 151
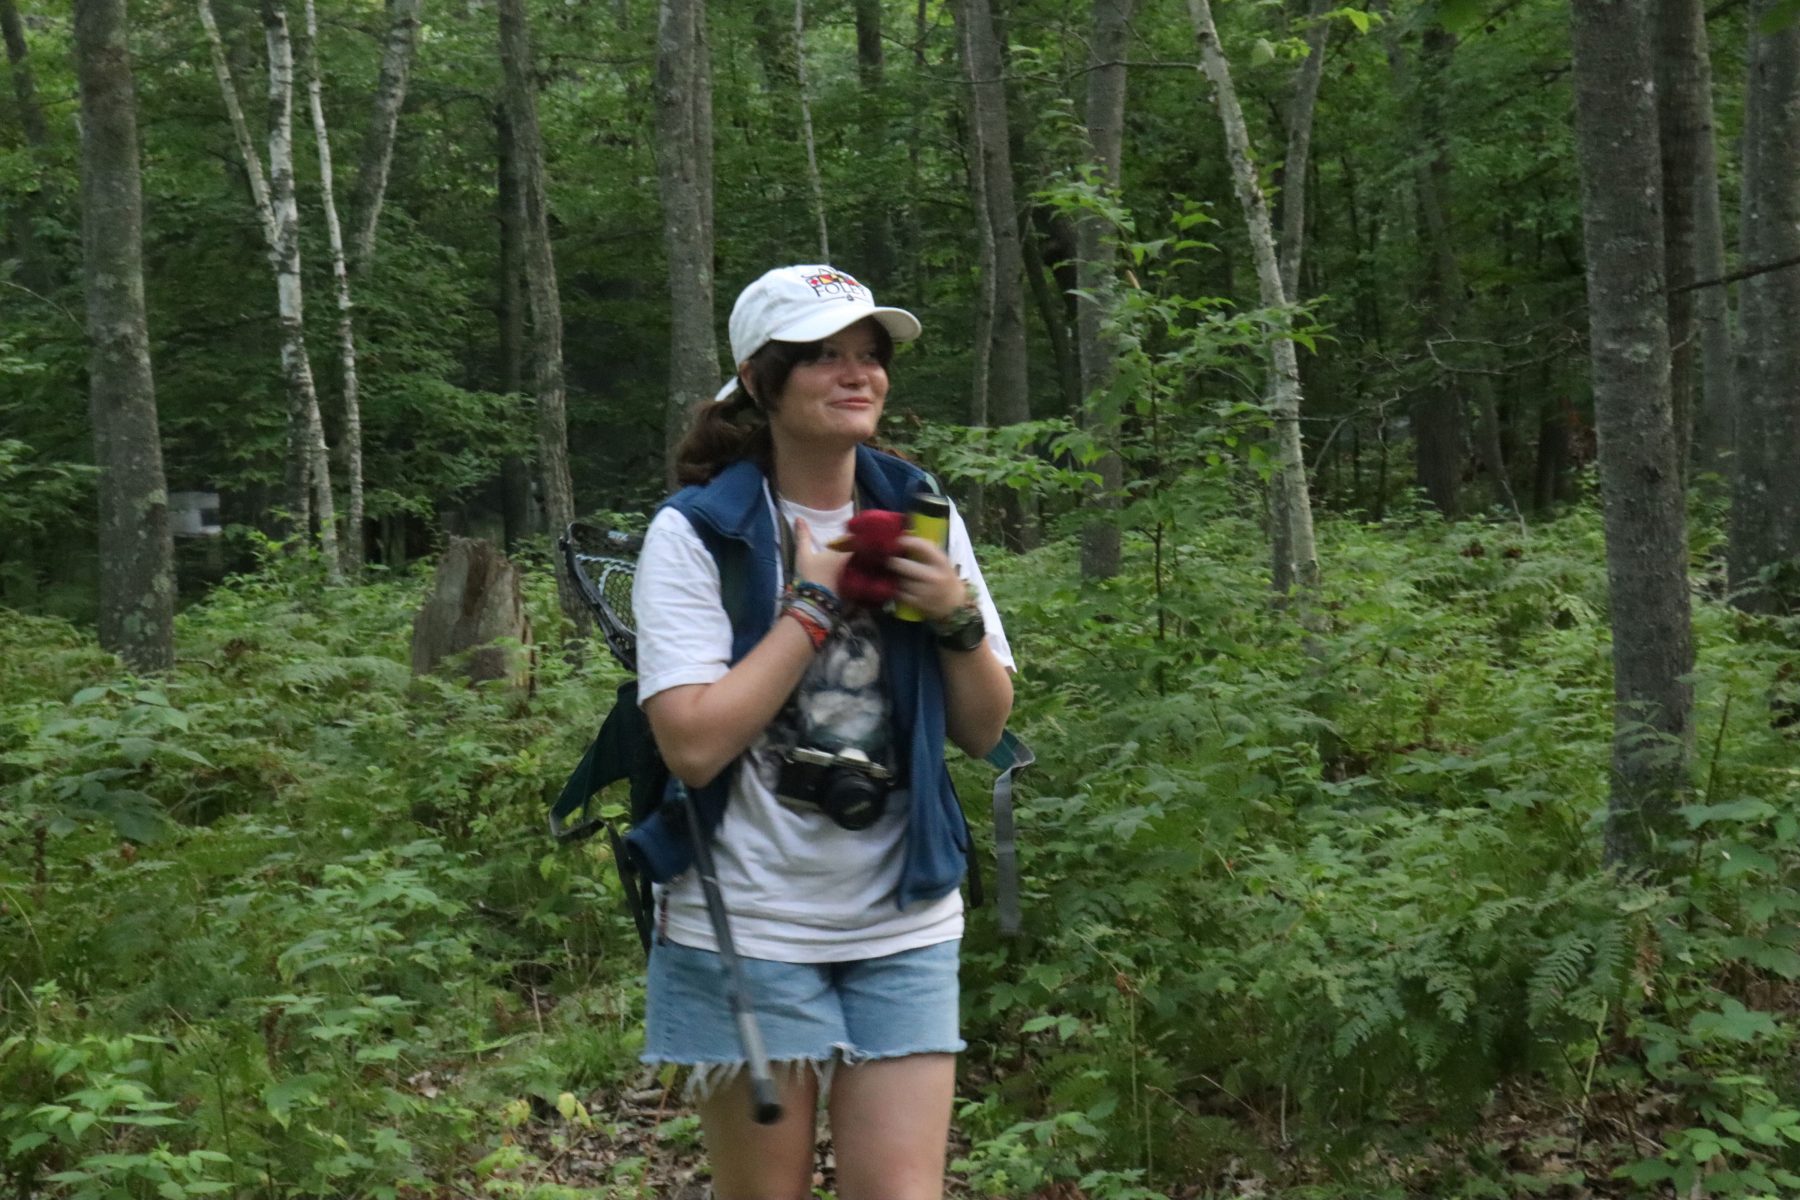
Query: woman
pixel 846 912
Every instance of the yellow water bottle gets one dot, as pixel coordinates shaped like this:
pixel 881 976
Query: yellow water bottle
pixel 927 517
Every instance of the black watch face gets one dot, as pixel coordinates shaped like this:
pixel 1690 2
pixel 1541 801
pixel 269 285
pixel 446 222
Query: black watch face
pixel 964 637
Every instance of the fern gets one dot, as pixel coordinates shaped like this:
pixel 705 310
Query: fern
pixel 1556 973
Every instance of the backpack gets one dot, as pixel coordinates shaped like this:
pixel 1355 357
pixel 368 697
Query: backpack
pixel 603 565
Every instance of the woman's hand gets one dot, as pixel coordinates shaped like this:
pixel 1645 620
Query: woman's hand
pixel 812 564
pixel 928 580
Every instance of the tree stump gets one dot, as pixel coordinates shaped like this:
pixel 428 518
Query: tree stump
pixel 475 602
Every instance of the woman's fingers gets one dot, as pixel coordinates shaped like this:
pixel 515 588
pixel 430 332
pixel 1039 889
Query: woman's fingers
pixel 813 564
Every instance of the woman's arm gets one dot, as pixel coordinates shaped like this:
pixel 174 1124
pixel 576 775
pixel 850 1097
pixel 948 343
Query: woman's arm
pixel 700 728
pixel 978 692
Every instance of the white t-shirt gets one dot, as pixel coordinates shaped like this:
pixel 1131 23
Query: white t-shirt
pixel 798 887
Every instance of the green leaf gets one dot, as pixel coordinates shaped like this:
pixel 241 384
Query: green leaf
pixel 1732 1023
pixel 1460 16
pixel 280 1098
pixel 1263 53
pixel 25 1143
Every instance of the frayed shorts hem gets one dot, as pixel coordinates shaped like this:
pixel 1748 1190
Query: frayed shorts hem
pixel 706 1078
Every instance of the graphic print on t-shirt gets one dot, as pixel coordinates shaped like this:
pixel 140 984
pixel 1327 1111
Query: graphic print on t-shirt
pixel 839 705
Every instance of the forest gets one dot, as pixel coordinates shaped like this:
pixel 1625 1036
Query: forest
pixel 1380 423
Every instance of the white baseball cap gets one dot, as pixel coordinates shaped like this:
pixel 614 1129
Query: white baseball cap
pixel 805 304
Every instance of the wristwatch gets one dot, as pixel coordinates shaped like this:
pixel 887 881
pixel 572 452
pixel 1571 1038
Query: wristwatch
pixel 962 630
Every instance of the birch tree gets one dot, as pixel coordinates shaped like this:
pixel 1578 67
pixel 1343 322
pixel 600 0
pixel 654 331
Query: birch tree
pixel 1295 556
pixel 1097 273
pixel 378 144
pixel 278 215
pixel 346 325
pixel 1646 542
pixel 684 171
pixel 137 576
pixel 1764 562
pixel 542 301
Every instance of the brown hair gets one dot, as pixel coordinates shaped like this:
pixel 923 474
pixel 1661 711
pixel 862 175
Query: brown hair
pixel 724 431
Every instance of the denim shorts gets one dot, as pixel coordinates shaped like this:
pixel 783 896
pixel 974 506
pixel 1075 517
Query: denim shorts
pixel 817 1014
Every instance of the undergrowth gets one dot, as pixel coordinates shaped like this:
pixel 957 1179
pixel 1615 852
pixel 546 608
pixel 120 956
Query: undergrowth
pixel 1313 898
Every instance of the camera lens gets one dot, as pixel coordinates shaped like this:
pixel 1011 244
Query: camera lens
pixel 854 800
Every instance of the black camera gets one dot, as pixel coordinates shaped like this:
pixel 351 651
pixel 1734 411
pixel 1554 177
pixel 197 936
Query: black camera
pixel 847 786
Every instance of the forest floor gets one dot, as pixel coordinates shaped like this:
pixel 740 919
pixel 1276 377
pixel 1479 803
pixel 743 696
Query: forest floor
pixel 1550 1151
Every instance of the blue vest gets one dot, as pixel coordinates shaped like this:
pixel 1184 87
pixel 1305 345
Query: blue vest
pixel 731 516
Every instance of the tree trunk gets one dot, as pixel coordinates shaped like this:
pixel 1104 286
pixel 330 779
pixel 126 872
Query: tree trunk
pixel 1765 495
pixel 306 430
pixel 1296 558
pixel 1646 543
pixel 1436 413
pixel 137 576
pixel 1295 166
pixel 1009 399
pixel 806 130
pixel 1714 418
pixel 1097 269
pixel 876 260
pixel 346 328
pixel 1684 118
pixel 1053 309
pixel 475 607
pixel 31 113
pixel 684 171
pixel 378 145
pixel 515 472
pixel 35 263
pixel 979 414
pixel 544 303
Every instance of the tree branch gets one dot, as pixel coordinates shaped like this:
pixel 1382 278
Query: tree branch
pixel 1739 274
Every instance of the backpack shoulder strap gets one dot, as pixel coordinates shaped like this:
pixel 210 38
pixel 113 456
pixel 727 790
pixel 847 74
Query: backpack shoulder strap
pixel 1010 757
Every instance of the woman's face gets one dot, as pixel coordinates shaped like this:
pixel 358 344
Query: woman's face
pixel 838 397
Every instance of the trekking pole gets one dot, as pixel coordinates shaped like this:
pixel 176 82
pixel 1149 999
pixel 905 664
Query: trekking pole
pixel 765 1108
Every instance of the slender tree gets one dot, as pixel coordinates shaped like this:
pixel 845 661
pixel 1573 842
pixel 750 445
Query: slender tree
pixel 1764 560
pixel 278 216
pixel 1646 542
pixel 346 326
pixel 684 170
pixel 1097 275
pixel 806 130
pixel 1297 164
pixel 1697 319
pixel 876 257
pixel 515 471
pixel 378 145
pixel 1009 400
pixel 18 58
pixel 543 302
pixel 34 260
pixel 284 208
pixel 1295 557
pixel 1437 412
pixel 137 576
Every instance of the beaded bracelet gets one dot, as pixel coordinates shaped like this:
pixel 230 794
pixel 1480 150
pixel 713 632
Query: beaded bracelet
pixel 821 595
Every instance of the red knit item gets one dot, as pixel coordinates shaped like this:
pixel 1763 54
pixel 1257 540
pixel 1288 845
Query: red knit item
pixel 872 537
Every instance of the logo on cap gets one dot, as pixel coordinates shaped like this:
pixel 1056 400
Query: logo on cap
pixel 837 285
